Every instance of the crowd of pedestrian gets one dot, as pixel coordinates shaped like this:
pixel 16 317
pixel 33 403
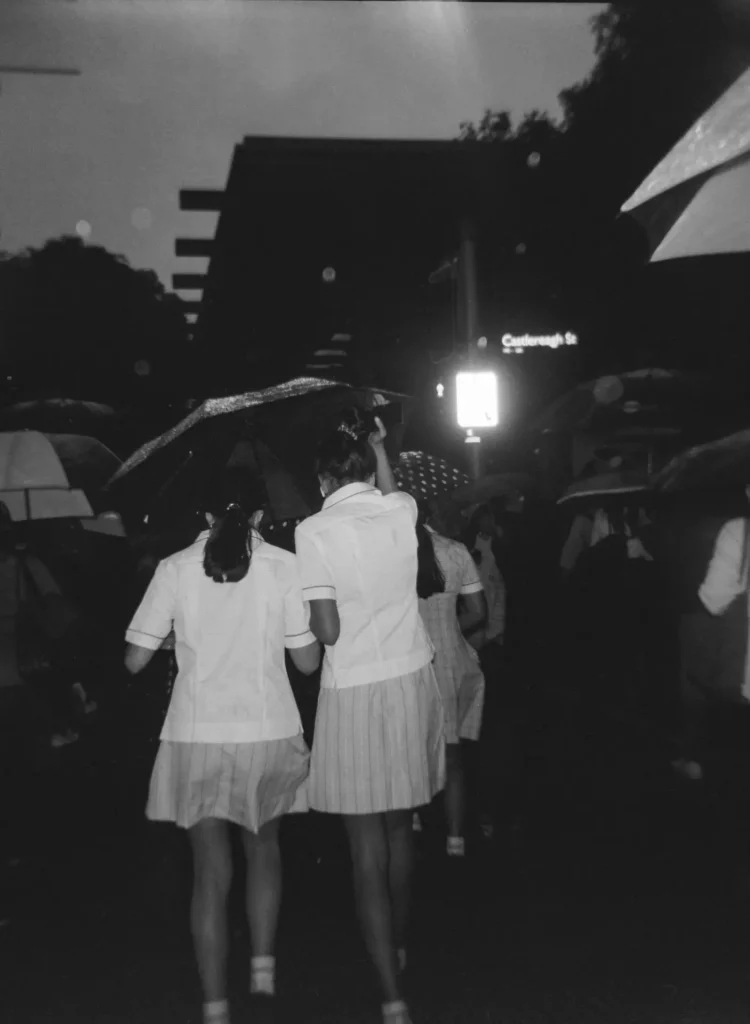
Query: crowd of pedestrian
pixel 427 625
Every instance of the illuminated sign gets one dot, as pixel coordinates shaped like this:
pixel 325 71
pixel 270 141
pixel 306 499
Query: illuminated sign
pixel 476 400
pixel 519 342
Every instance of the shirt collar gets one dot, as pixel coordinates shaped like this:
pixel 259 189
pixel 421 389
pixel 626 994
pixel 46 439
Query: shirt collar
pixel 349 491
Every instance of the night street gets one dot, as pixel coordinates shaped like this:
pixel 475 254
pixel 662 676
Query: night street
pixel 614 903
pixel 374 439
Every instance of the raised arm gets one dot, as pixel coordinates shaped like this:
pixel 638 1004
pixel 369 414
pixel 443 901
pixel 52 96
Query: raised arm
pixel 384 477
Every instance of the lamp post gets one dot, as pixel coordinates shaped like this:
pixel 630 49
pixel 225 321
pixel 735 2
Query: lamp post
pixel 467 288
pixel 476 389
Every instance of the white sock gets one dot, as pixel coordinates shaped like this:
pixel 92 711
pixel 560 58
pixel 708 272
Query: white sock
pixel 396 1013
pixel 263 975
pixel 216 1012
pixel 456 846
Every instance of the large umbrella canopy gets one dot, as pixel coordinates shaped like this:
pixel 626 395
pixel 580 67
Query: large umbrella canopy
pixel 651 398
pixel 606 485
pixel 426 476
pixel 275 431
pixel 88 463
pixel 719 466
pixel 696 202
pixel 33 481
pixel 55 415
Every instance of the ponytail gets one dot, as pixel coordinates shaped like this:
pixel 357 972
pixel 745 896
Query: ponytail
pixel 430 578
pixel 226 558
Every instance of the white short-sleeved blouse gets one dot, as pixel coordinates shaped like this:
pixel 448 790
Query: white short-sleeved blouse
pixel 361 551
pixel 231 685
pixel 439 612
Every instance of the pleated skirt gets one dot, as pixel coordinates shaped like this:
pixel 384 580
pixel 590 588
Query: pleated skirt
pixel 379 747
pixel 461 685
pixel 245 783
pixel 457 669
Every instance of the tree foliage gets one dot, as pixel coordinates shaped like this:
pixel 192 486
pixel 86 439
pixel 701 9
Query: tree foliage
pixel 75 320
pixel 659 65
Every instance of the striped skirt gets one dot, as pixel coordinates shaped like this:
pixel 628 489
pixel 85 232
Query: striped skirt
pixel 461 685
pixel 379 747
pixel 246 783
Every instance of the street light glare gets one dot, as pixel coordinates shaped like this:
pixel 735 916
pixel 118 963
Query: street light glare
pixel 477 400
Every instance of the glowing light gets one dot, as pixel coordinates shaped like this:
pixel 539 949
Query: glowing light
pixel 517 343
pixel 533 159
pixel 141 218
pixel 329 275
pixel 83 229
pixel 142 367
pixel 476 399
pixel 521 249
pixel 440 390
pixel 482 343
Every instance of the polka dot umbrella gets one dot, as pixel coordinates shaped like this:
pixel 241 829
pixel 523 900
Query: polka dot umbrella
pixel 427 476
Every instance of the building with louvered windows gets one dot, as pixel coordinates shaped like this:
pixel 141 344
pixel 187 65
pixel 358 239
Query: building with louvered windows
pixel 322 258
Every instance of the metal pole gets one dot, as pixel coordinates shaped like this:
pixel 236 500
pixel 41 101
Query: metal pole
pixel 473 456
pixel 468 306
pixel 467 287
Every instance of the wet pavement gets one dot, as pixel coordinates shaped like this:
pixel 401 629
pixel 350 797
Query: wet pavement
pixel 621 898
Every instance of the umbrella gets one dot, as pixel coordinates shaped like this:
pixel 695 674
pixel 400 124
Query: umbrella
pixel 274 431
pixel 427 476
pixel 651 397
pixel 696 202
pixel 87 462
pixel 55 415
pixel 722 464
pixel 496 486
pixel 606 485
pixel 33 482
pixel 213 407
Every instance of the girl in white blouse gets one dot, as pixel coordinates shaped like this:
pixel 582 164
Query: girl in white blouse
pixel 379 749
pixel 447 572
pixel 231 748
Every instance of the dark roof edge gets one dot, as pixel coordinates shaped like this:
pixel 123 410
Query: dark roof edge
pixel 279 142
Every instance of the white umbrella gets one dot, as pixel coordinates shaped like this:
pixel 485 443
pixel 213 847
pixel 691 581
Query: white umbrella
pixel 696 202
pixel 33 483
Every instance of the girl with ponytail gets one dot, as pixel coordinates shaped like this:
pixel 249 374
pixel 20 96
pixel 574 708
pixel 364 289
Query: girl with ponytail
pixel 231 748
pixel 446 573
pixel 378 750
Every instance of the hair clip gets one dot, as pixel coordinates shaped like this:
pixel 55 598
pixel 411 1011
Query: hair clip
pixel 344 428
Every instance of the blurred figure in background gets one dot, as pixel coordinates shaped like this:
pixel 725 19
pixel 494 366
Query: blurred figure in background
pixel 724 593
pixel 447 572
pixel 496 742
pixel 707 650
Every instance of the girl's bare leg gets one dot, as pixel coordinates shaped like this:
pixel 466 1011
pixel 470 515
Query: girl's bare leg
pixel 212 867
pixel 263 902
pixel 370 851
